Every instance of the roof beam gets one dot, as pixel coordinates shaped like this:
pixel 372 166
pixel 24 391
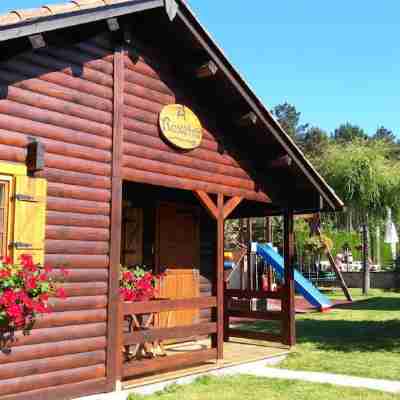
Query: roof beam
pixel 216 55
pixel 207 70
pixel 74 18
pixel 248 119
pixel 37 41
pixel 281 162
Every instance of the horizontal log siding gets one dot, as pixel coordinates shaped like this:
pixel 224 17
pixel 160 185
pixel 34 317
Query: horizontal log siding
pixel 147 158
pixel 64 97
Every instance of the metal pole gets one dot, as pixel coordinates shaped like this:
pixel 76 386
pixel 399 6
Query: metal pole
pixel 366 277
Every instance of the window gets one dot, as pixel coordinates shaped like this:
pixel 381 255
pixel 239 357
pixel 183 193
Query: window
pixel 22 213
pixel 4 214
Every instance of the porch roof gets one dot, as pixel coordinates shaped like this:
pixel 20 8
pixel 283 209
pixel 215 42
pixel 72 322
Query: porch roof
pixel 288 173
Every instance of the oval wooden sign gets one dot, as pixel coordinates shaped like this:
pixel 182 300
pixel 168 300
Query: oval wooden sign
pixel 181 127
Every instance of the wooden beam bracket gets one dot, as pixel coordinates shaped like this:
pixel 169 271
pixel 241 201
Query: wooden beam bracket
pixel 171 8
pixel 113 24
pixel 208 203
pixel 231 205
pixel 37 41
pixel 207 70
pixel 248 119
pixel 281 162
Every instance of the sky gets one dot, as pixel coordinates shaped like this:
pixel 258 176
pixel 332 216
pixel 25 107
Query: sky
pixel 336 61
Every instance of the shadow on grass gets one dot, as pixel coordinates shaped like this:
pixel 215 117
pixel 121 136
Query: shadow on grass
pixel 346 335
pixel 373 304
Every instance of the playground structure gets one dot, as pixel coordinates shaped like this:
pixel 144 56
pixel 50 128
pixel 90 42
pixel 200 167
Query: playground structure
pixel 261 267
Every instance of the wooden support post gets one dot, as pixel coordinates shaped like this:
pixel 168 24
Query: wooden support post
pixel 249 239
pixel 226 315
pixel 288 301
pixel 219 212
pixel 220 277
pixel 114 327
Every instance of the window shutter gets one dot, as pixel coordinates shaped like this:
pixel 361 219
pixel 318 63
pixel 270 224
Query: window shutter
pixel 30 218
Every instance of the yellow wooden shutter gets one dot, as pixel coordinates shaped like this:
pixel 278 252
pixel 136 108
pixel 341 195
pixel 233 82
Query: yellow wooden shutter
pixel 29 217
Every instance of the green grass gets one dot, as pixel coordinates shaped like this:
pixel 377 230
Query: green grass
pixel 253 388
pixel 362 339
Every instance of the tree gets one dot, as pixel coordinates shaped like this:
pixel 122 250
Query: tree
pixel 314 142
pixel 384 134
pixel 348 132
pixel 289 119
pixel 365 177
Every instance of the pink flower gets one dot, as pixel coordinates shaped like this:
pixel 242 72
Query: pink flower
pixel 64 272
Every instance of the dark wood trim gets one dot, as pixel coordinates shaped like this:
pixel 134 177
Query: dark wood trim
pixel 230 205
pixel 73 18
pixel 177 332
pixel 114 338
pixel 255 294
pixel 168 363
pixel 269 337
pixel 288 301
pixel 168 305
pixel 262 315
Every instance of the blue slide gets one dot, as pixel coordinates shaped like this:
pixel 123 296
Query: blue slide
pixel 302 285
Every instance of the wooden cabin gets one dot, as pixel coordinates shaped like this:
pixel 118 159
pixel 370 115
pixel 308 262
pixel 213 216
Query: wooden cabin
pixel 92 175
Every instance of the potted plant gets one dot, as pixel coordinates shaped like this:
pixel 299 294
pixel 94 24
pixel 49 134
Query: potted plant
pixel 137 283
pixel 25 289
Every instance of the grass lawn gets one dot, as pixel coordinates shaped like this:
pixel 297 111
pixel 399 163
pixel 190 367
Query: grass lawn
pixel 253 388
pixel 361 339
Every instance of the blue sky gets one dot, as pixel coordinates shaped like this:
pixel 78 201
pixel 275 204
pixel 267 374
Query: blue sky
pixel 336 61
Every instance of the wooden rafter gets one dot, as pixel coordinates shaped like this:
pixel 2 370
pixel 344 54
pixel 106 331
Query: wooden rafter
pixel 230 205
pixel 208 203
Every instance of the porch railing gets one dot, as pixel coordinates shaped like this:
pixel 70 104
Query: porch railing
pixel 249 295
pixel 137 367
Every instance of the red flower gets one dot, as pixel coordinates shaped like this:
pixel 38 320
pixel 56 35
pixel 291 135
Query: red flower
pixel 6 260
pixel 43 277
pixel 31 283
pixel 27 263
pixel 4 273
pixel 14 311
pixel 61 293
pixel 128 276
pixel 40 307
pixel 9 297
pixel 44 297
pixel 48 269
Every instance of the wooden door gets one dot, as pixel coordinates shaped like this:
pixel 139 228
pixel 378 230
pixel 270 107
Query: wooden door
pixel 178 253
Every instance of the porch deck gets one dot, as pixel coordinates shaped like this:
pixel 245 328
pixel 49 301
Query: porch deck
pixel 236 352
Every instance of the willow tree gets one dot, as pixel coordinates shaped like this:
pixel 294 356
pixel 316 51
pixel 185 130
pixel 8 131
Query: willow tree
pixel 366 177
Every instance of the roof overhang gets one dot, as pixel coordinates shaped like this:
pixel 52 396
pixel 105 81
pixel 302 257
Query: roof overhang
pixel 118 8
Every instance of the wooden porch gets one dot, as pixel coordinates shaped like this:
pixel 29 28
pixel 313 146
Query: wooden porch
pixel 236 352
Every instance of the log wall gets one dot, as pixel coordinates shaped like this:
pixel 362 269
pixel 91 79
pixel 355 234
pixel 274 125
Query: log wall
pixel 64 97
pixel 149 86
